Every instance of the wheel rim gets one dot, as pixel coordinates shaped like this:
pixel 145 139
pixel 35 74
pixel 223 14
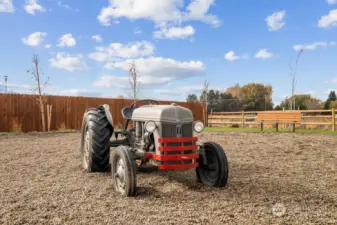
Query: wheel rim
pixel 86 152
pixel 211 171
pixel 119 175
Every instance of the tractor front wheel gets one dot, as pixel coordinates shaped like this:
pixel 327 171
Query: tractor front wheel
pixel 213 165
pixel 123 171
pixel 96 132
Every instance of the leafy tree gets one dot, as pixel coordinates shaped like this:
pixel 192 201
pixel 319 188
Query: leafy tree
pixel 257 97
pixel 333 105
pixel 235 91
pixel 302 102
pixel 332 97
pixel 192 98
pixel 228 103
pixel 278 108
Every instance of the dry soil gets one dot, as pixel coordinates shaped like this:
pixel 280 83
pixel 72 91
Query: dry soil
pixel 273 179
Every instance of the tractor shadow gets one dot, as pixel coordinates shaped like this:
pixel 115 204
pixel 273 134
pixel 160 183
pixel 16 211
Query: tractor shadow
pixel 167 181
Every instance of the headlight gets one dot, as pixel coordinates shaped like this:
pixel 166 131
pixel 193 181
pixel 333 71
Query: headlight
pixel 150 126
pixel 198 126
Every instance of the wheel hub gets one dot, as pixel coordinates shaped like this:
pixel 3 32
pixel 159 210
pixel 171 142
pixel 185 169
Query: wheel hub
pixel 120 175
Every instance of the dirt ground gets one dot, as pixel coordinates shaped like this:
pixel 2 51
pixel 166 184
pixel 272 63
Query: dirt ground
pixel 273 179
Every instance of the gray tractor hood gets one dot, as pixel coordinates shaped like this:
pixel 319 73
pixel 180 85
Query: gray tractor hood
pixel 163 113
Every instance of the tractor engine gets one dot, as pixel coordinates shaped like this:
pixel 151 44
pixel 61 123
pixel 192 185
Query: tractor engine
pixel 165 132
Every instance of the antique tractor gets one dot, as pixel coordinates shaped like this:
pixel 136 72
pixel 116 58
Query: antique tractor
pixel 162 136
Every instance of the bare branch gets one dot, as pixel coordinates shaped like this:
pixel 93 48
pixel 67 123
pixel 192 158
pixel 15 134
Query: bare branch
pixel 293 73
pixel 39 98
pixel 133 81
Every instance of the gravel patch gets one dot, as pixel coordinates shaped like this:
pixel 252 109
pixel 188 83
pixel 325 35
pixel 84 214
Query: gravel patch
pixel 273 179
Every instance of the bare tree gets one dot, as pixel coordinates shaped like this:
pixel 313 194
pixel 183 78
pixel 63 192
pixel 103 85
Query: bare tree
pixel 293 73
pixel 41 99
pixel 133 81
pixel 205 90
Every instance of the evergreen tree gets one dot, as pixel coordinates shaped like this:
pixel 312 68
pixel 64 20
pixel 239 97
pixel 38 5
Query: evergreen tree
pixel 192 98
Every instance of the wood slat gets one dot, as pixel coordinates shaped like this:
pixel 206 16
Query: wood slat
pixel 66 111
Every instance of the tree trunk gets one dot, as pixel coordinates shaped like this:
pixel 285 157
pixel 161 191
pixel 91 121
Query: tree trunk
pixel 42 114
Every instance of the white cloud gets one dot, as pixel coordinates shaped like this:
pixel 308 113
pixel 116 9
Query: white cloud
pixel 68 62
pixel 180 90
pixel 314 46
pixel 167 92
pixel 116 51
pixel 276 20
pixel 263 54
pixel 329 20
pixel 66 6
pixel 334 80
pixel 112 81
pixel 230 56
pixel 161 67
pixel 137 30
pixel 34 39
pixel 80 92
pixel 32 6
pixel 61 4
pixel 18 86
pixel 174 32
pixel 6 6
pixel 162 11
pixel 97 38
pixel 67 40
pixel 328 91
pixel 47 46
pixel 153 71
pixel 331 2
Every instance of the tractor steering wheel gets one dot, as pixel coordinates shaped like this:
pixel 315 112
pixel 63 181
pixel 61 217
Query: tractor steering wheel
pixel 144 100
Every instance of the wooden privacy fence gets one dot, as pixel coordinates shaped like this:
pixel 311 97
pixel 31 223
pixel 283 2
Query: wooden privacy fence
pixel 304 119
pixel 22 113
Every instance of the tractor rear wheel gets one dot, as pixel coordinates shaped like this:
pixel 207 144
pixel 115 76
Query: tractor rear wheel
pixel 213 165
pixel 123 171
pixel 95 140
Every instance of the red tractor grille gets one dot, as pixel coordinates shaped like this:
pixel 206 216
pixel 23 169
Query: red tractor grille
pixel 176 153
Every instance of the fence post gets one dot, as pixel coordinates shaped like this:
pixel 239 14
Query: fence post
pixel 333 112
pixel 243 118
pixel 277 126
pixel 261 125
pixel 211 117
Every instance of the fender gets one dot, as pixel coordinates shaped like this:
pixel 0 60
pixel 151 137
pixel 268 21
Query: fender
pixel 108 114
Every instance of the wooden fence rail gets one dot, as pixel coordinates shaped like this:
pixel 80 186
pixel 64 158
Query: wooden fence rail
pixel 21 112
pixel 307 119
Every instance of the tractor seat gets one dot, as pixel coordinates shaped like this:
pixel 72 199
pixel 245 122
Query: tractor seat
pixel 127 112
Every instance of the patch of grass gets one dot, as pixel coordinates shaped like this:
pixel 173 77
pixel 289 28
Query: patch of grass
pixel 258 130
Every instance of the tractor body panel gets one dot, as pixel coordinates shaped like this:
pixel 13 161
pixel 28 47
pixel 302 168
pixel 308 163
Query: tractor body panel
pixel 175 146
pixel 163 113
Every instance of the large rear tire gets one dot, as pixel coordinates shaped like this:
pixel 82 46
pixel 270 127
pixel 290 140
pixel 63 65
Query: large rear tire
pixel 123 171
pixel 95 140
pixel 213 166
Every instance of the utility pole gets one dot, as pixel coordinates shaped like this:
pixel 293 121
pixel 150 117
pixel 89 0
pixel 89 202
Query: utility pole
pixel 237 90
pixel 206 84
pixel 5 84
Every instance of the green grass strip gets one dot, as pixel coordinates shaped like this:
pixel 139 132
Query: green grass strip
pixel 273 130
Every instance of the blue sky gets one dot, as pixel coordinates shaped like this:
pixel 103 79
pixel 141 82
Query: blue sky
pixel 85 49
